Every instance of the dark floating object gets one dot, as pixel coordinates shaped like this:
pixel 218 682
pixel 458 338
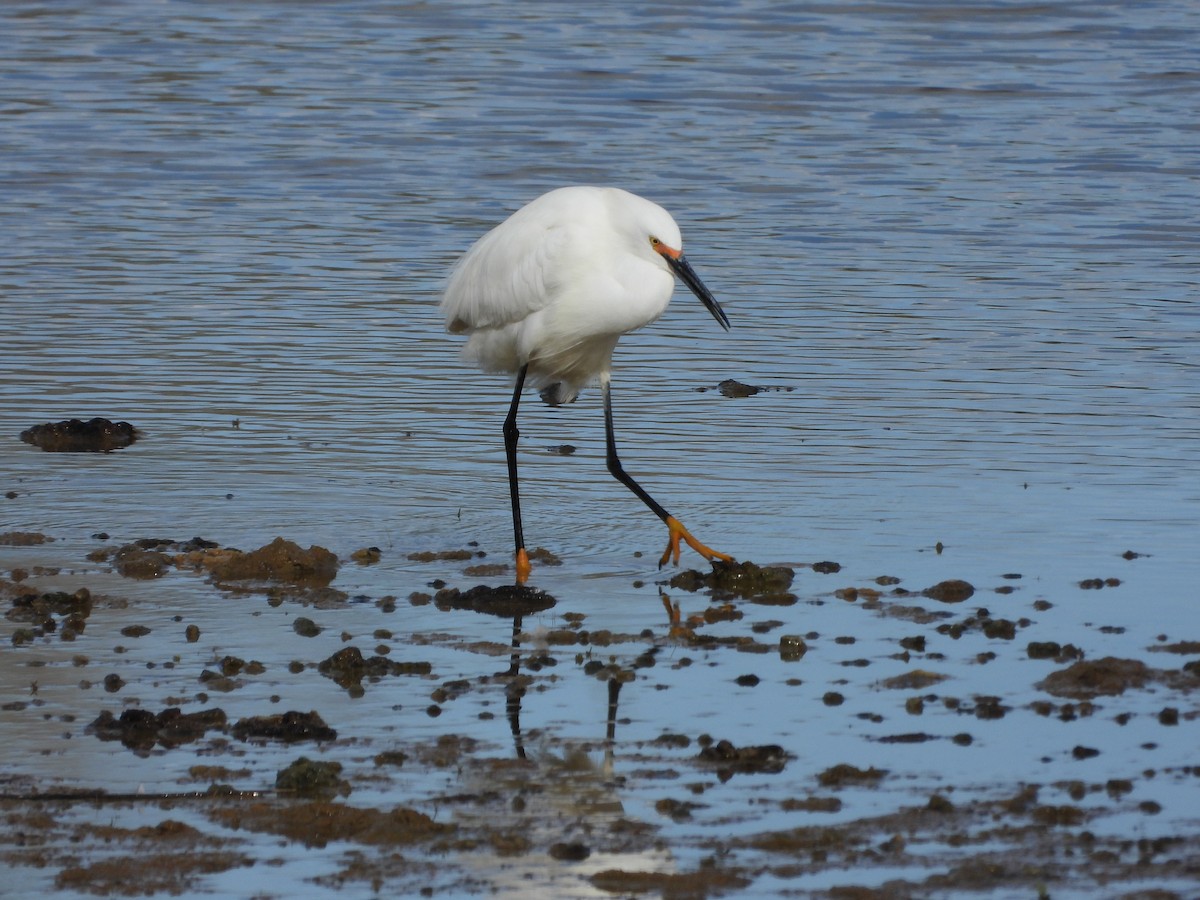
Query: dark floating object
pixel 76 436
pixel 507 600
pixel 736 389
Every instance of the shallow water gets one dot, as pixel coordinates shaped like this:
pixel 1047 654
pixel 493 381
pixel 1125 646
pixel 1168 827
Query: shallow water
pixel 960 239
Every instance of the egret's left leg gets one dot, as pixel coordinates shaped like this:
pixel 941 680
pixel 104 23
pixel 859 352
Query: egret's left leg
pixel 675 528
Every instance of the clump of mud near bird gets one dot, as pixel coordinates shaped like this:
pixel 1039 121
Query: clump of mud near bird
pixel 560 808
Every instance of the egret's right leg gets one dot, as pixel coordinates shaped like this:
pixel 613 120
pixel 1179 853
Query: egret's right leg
pixel 676 531
pixel 511 435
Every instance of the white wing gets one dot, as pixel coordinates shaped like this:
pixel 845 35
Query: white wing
pixel 519 266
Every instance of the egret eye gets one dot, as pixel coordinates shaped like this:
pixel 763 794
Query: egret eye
pixel 654 242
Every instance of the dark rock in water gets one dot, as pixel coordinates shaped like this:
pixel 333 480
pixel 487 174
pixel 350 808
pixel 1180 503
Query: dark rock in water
pixel 761 584
pixel 952 591
pixel 730 760
pixel 76 436
pixel 507 600
pixel 288 727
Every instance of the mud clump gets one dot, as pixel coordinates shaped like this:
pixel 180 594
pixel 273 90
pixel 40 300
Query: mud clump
pixel 279 561
pixel 843 773
pixel 76 436
pixel 137 562
pixel 952 591
pixel 507 600
pixel 1090 678
pixel 704 883
pixel 745 580
pixel 348 667
pixel 310 778
pixel 730 760
pixel 317 823
pixel 23 539
pixel 55 611
pixel 290 727
pixel 141 730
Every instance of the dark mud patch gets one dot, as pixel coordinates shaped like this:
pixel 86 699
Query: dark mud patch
pixel 507 600
pixel 76 436
pixel 709 882
pixel 978 847
pixel 914 680
pixel 1111 676
pixel 290 727
pixel 316 823
pixel 740 580
pixel 45 614
pixel 348 667
pixel 24 539
pixel 843 774
pixel 141 730
pixel 730 760
pixel 149 873
pixel 280 568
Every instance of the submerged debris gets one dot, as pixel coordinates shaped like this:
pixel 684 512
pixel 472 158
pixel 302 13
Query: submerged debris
pixel 506 600
pixel 76 436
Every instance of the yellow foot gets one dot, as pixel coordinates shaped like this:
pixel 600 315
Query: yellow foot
pixel 523 567
pixel 678 533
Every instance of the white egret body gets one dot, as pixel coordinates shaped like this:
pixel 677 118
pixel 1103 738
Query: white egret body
pixel 547 294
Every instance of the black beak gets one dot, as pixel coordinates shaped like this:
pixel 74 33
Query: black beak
pixel 688 276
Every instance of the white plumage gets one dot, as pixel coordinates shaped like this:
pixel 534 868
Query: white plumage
pixel 556 285
pixel 547 294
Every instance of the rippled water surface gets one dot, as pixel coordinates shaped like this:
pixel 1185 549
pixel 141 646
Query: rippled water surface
pixel 958 240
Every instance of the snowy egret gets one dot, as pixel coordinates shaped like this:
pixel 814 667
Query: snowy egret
pixel 547 293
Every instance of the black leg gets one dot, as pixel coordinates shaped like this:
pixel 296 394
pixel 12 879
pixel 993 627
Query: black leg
pixel 675 528
pixel 614 462
pixel 511 435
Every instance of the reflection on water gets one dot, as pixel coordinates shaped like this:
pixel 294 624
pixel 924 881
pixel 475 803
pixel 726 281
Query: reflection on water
pixel 964 236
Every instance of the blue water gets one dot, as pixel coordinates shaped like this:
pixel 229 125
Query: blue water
pixel 961 239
